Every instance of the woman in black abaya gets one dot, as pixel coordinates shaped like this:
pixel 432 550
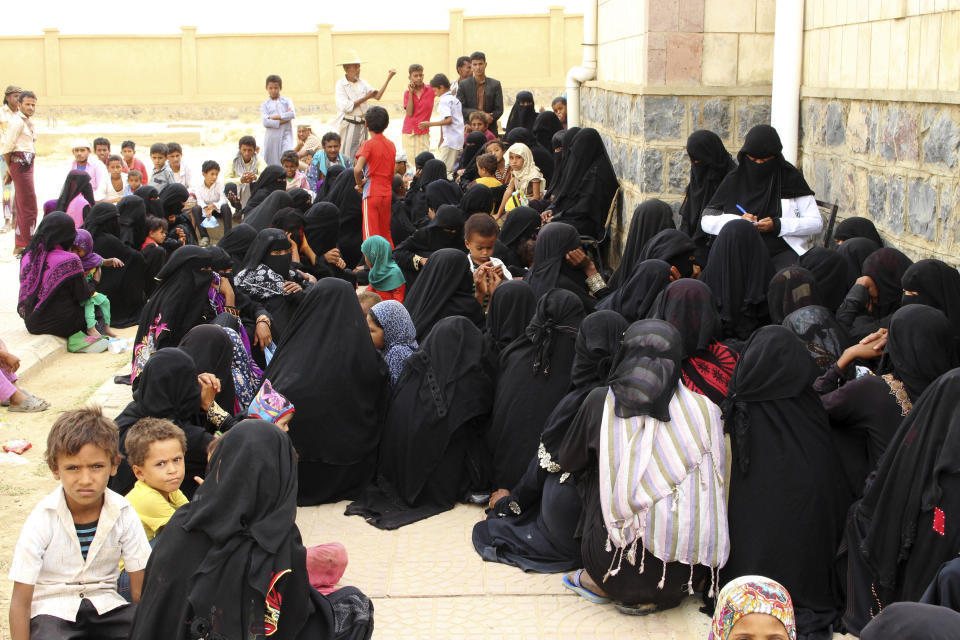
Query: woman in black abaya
pixel 236 242
pixel 900 533
pixel 534 375
pixel 534 526
pixel 857 227
pixel 551 268
pixel 817 327
pixel 445 288
pixel 545 126
pixel 876 294
pixel 587 186
pixel 913 621
pixel 262 215
pixel 445 231
pixel 738 272
pixel 125 285
pixel 855 252
pixel 790 289
pixel 468 159
pixel 635 298
pixel 333 173
pixel 212 352
pixel 934 283
pixel 321 228
pixel 172 198
pixel 830 271
pixel 710 162
pixel 512 306
pixel 233 561
pixel 517 240
pixel 349 202
pixel 440 404
pixel 76 184
pixel 784 462
pixel 151 199
pixel 523 113
pixel 336 428
pixel 133 221
pixel 433 170
pixel 650 217
pixel 272 178
pixel 477 199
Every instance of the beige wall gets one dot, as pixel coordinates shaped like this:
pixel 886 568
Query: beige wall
pixel 523 52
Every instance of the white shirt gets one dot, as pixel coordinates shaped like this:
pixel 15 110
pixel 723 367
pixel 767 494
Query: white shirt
pixel 496 262
pixel 184 176
pixel 449 107
pixel 210 195
pixel 48 556
pixel 800 219
pixel 108 191
pixel 99 176
pixel 346 93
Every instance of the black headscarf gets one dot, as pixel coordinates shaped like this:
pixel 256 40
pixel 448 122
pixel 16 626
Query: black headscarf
pixel 522 115
pixel 855 252
pixel 560 163
pixel 339 409
pixel 444 288
pixel 441 192
pixel 243 521
pixel 673 247
pixel 237 242
pixel 333 173
pixel 512 305
pixel 477 199
pixel 261 216
pixel 918 347
pixel 180 300
pixel 785 484
pixel 646 370
pixel 587 171
pixel 554 241
pixel 151 198
pixel 886 267
pixel 534 375
pixel 913 621
pixel 172 198
pixel 830 271
pixel 857 227
pixel 710 162
pixel 758 188
pixel 321 226
pixel 937 284
pixel 350 203
pixel 124 286
pixel 818 329
pixel 212 352
pixel 272 178
pixel 76 184
pixel 301 199
pixel 289 220
pixel 133 221
pixel 893 520
pixel 650 217
pixel 521 222
pixel 468 160
pixel 791 289
pixel 103 218
pixel 597 344
pixel 635 298
pixel 545 126
pixel 445 231
pixel 433 169
pixel 738 272
pixel 689 306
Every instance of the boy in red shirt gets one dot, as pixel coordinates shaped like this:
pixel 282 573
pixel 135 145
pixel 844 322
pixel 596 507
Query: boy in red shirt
pixel 374 175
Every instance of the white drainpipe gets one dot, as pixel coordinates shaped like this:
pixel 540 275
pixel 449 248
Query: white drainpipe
pixel 588 67
pixel 787 68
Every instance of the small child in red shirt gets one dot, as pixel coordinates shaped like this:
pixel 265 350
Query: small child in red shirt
pixel 374 175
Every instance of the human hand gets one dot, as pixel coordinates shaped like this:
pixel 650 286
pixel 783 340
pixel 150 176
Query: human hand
pixel 116 263
pixel 480 278
pixel 764 225
pixel 332 256
pixel 871 286
pixel 9 362
pixel 306 276
pixel 290 287
pixel 275 117
pixel 181 235
pixel 496 496
pixel 546 216
pixel 360 184
pixel 209 388
pixel 262 335
pixel 749 217
pixel 578 259
pixel 391 73
pixel 878 339
pixel 248 176
pixel 7 178
pixel 858 352
pixel 424 125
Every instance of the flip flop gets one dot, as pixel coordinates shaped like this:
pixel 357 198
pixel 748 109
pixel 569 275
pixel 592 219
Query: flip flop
pixel 637 609
pixel 32 404
pixel 575 586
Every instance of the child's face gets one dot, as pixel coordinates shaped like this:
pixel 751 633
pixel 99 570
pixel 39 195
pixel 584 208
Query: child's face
pixel 273 90
pixel 758 626
pixel 478 124
pixel 352 72
pixel 171 221
pixel 332 149
pixel 128 153
pixel 84 476
pixel 134 182
pixel 115 169
pixel 480 247
pixel 246 152
pixel 163 467
pixel 561 110
pixel 516 162
pixel 157 235
pixel 400 168
pixel 80 154
pixel 174 158
pixel 103 152
pixel 416 79
pixel 77 250
pixel 210 177
pixel 158 160
pixel 291 169
pixel 496 150
pixel 376 333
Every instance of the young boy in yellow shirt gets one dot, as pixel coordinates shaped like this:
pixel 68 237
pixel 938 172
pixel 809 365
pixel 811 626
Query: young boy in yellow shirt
pixel 155 450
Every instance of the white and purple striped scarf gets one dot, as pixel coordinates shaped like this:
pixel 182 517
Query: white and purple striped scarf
pixel 661 483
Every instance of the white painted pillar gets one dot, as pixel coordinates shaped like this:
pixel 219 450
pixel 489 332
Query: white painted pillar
pixel 787 69
pixel 588 67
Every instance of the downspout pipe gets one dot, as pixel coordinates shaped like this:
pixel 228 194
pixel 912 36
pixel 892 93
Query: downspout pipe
pixel 587 70
pixel 787 69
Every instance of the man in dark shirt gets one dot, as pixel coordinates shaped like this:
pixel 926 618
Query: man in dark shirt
pixel 480 92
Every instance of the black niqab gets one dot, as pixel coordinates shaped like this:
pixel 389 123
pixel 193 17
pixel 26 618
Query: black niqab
pixel 522 115
pixel 237 242
pixel 791 289
pixel 333 173
pixel 133 221
pixel 212 352
pixel 512 306
pixel 710 162
pixel 261 216
pixel 477 199
pixel 913 621
pixel 588 185
pixel 272 178
pixel 76 184
pixel 321 226
pixel 444 288
pixel 830 271
pixel 151 198
pixel 818 329
pixel 689 306
pixel 918 347
pixel 650 217
pixel 857 227
pixel 554 241
pixel 673 247
pixel 855 252
pixel 545 126
pixel 468 159
pixel 937 285
pixel 441 192
pixel 345 197
pixel 635 298
pixel 886 267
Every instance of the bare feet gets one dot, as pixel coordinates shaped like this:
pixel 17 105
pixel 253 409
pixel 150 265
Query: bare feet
pixel 110 332
pixel 92 331
pixel 587 581
pixel 17 397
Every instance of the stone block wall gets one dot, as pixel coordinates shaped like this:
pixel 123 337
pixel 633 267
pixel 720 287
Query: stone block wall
pixel 894 162
pixel 646 136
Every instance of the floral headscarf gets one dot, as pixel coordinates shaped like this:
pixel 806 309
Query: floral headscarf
pixel 399 335
pixel 752 594
pixel 269 404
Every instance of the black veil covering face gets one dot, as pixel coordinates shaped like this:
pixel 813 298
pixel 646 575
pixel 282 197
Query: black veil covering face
pixel 261 216
pixel 521 225
pixel 344 196
pixel 550 269
pixel 444 288
pixel 125 286
pixel 272 178
pixel 818 328
pixel 445 231
pixel 857 227
pixel 545 127
pixel 710 162
pixel 433 170
pixel 650 217
pixel 524 112
pixel 333 173
pixel 587 186
pixel 236 242
pixel 151 198
pixel 855 252
pixel 636 297
pixel 534 375
pixel 512 305
pixel 936 284
pixel 133 221
pixel 336 428
pixel 432 429
pixel 830 270
pixel 76 184
pixel 791 289
pixel 886 267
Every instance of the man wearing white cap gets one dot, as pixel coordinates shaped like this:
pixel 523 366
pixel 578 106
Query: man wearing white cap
pixel 92 165
pixel 352 94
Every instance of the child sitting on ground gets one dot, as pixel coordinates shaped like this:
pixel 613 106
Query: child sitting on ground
pixel 128 151
pixel 479 121
pixel 134 182
pixel 83 247
pixel 367 300
pixel 116 186
pixel 154 251
pixel 487 169
pixel 244 171
pixel 212 215
pixel 161 176
pixel 295 178
pixel 480 235
pixel 17 399
pixel 272 406
pixel 385 277
pixel 63 589
pixel 155 450
pixel 182 174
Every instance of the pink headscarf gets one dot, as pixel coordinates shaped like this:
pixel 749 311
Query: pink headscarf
pixel 325 566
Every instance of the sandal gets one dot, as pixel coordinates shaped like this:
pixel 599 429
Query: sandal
pixel 637 609
pixel 575 586
pixel 32 404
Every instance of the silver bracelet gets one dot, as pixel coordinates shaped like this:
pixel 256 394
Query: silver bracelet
pixel 595 282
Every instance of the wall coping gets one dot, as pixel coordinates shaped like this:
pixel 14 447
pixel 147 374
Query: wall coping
pixel 883 95
pixel 679 90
